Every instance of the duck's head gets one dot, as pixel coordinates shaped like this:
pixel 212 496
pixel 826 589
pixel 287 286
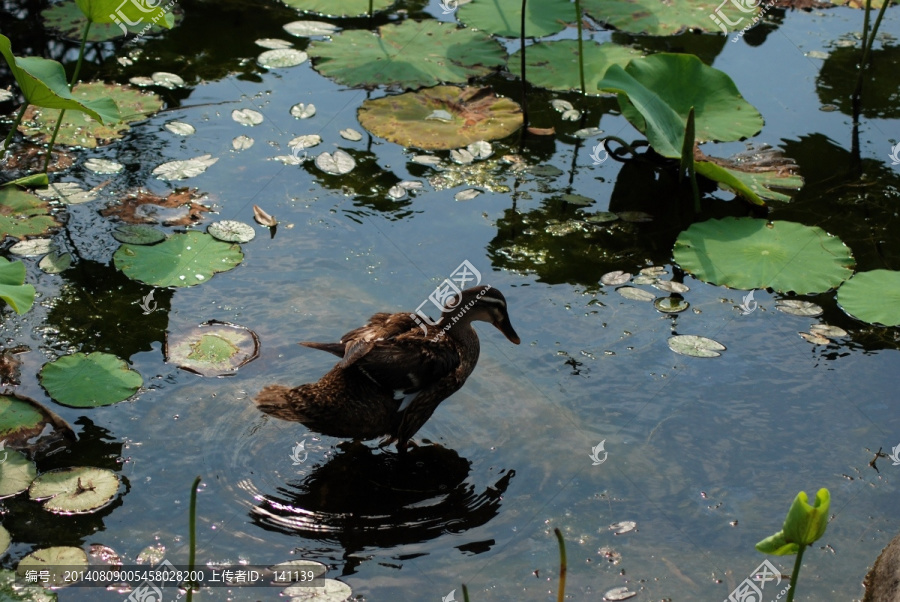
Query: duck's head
pixel 483 303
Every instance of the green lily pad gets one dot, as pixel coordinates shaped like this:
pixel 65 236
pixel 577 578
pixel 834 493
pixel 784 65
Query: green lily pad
pixel 554 65
pixel 23 214
pixel 695 346
pixel 476 114
pixel 79 490
pixel 748 253
pixel 656 95
pixel 412 54
pixel 213 348
pixel 671 17
pixel 12 591
pixel 184 259
pixel 16 473
pixel 339 8
pixel 79 130
pixel 68 21
pixel 23 419
pixel 57 561
pixel 230 230
pixel 504 17
pixel 55 263
pixel 138 234
pixel 89 380
pixel 872 296
pixel 4 542
pixel 17 295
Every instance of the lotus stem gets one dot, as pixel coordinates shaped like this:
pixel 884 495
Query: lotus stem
pixel 465 593
pixel 868 40
pixel 793 586
pixel 580 46
pixel 524 82
pixel 192 527
pixel 561 595
pixel 14 127
pixel 53 140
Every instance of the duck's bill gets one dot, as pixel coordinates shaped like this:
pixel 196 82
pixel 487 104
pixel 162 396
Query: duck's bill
pixel 506 328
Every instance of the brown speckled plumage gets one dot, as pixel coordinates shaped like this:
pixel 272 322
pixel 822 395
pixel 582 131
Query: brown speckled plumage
pixel 392 374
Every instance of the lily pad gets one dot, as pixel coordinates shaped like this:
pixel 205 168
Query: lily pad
pixel 477 114
pixel 350 134
pixel 13 290
pixel 104 166
pixel 695 346
pixel 615 278
pixel 306 29
pixel 16 473
pixel 57 561
pixel 873 297
pixel 55 263
pixel 635 294
pixel 303 110
pixel 188 168
pixel 70 193
pixel 748 253
pixel 212 349
pixel 32 247
pixel 230 230
pixel 138 234
pixel 12 591
pixel 504 17
pixel 181 128
pixel 241 142
pixel 337 163
pixel 79 490
pixel 467 194
pixel 23 214
pixel 68 20
pixel 78 129
pixel 281 57
pixel 671 305
pixel 326 590
pixel 670 286
pixel 671 17
pixel 23 420
pixel 4 542
pixel 554 65
pixel 184 259
pixel 339 8
pixel 796 307
pixel 89 380
pixel 410 55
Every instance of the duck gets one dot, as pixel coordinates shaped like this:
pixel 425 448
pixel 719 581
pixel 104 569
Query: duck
pixel 393 372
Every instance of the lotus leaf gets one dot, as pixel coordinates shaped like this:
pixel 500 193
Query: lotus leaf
pixel 79 130
pixel 477 114
pixel 4 542
pixel 89 380
pixel 57 560
pixel 656 95
pixel 554 65
pixel 77 490
pixel 695 346
pixel 671 17
pixel 18 295
pixel 138 234
pixel 23 420
pixel 326 590
pixel 67 19
pixel 412 54
pixel 339 8
pixel 504 17
pixel 748 253
pixel 23 214
pixel 184 259
pixel 16 472
pixel 213 348
pixel 755 186
pixel 872 296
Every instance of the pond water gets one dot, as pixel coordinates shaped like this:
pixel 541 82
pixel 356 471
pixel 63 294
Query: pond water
pixel 704 455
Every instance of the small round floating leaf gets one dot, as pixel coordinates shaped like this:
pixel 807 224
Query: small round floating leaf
pixel 336 164
pixel 670 286
pixel 184 259
pixel 103 166
pixel 16 473
pixel 57 561
pixel 397 192
pixel 619 593
pixel 181 128
pixel 644 279
pixel 281 57
pixel 303 111
pixel 815 339
pixel 326 590
pixel 247 116
pixel 466 195
pixel 188 168
pixel 339 8
pixel 480 149
pixel 554 65
pixel 242 142
pixel 671 305
pixel 695 346
pixel 79 490
pixel 272 43
pixel 89 380
pixel 601 217
pixel 826 330
pixel 504 17
pixel 873 297
pixel 305 141
pixel 212 349
pixel 32 247
pixel 749 253
pixel 230 230
pixel 305 29
pixel 623 527
pixel 461 156
pixel 654 270
pixel 795 307
pixel 54 263
pixel 635 294
pixel 167 80
pixel 138 234
pixel 615 278
pixel 350 134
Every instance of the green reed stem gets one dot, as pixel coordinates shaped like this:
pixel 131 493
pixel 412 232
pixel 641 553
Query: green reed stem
pixel 192 527
pixel 561 595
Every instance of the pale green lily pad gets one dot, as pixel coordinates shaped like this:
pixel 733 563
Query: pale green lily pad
pixel 281 57
pixel 671 305
pixel 54 263
pixel 180 128
pixel 504 17
pixel 670 286
pixel 306 29
pixel 23 214
pixel 272 43
pixel 230 230
pixel 339 8
pixel 16 473
pixel 326 590
pixel 79 490
pixel 57 561
pixel 337 163
pixel 212 349
pixel 4 543
pixel 303 110
pixel 32 247
pixel 78 129
pixel 11 591
pixel 350 134
pixel 615 278
pixel 167 80
pixel 69 193
pixel 873 297
pixel 814 338
pixel 138 234
pixel 477 115
pixel 104 166
pixel 467 194
pixel 748 253
pixel 554 65
pixel 305 141
pixel 635 294
pixel 187 168
pixel 23 420
pixel 695 346
pixel 13 290
pixel 242 142
pixel 89 380
pixel 670 17
pixel 184 259
pixel 411 54
pixel 797 307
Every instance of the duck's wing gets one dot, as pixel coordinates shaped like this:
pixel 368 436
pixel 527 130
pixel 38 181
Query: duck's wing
pixel 359 342
pixel 408 364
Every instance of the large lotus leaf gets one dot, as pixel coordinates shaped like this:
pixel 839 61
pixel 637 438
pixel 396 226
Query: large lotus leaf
pixel 554 65
pixel 872 296
pixel 212 349
pixel 18 295
pixel 16 472
pixel 339 8
pixel 23 214
pixel 78 490
pixel 11 590
pixel 77 130
pixel 656 95
pixel 57 561
pixel 671 17
pixel 68 20
pixel 23 419
pixel 89 380
pixel 748 253
pixel 183 259
pixel 504 17
pixel 43 82
pixel 467 115
pixel 115 11
pixel 409 55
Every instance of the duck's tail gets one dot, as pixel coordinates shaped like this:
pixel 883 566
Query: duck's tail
pixel 276 401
